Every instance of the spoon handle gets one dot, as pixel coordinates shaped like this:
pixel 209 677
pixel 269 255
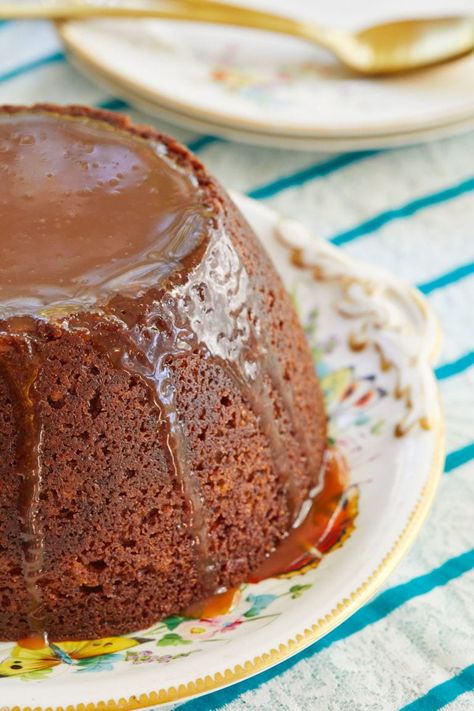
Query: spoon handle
pixel 193 10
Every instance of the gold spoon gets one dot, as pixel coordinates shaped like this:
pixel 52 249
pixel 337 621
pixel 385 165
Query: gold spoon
pixel 381 49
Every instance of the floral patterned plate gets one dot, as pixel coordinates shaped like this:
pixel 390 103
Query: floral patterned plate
pixel 374 340
pixel 271 85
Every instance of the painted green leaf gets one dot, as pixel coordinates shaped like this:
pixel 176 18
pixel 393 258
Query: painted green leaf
pixel 173 621
pixel 171 639
pixel 297 590
pixel 377 427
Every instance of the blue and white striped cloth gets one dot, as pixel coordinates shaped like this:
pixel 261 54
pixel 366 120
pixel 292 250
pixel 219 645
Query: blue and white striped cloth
pixel 410 210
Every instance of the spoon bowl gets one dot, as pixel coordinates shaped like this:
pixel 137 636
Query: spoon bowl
pixel 407 44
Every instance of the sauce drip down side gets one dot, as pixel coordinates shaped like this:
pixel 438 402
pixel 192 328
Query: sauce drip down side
pixel 29 472
pixel 222 312
pixel 145 346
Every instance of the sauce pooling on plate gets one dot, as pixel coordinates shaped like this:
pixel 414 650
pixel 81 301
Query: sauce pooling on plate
pixel 326 522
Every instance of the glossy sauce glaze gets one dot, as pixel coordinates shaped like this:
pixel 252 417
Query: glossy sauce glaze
pixel 104 233
pixel 79 213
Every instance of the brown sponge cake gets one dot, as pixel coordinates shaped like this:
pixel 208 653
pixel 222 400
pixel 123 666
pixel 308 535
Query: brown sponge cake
pixel 160 419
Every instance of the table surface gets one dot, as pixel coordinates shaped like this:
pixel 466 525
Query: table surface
pixel 410 210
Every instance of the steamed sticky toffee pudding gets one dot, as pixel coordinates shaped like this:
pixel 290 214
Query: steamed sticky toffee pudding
pixel 161 424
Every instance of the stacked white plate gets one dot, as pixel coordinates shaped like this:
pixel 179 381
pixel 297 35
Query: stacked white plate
pixel 263 88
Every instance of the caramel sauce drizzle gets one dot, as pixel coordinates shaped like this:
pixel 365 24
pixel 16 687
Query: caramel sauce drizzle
pixel 144 350
pixel 217 309
pixel 267 371
pixel 29 511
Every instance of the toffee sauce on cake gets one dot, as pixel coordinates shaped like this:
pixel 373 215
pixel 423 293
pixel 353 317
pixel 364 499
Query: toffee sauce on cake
pixel 97 221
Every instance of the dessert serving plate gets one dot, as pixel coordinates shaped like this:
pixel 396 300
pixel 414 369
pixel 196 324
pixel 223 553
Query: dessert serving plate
pixel 374 340
pixel 272 89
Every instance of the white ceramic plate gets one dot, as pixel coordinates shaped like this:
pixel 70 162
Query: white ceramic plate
pixel 396 476
pixel 265 83
pixel 280 140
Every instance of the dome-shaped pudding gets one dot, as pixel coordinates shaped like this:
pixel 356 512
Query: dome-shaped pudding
pixel 161 423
